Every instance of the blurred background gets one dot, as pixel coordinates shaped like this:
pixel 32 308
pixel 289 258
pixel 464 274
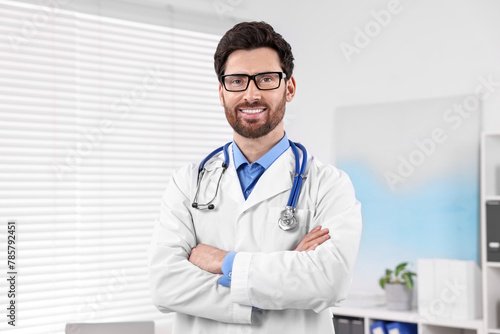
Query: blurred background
pixel 101 100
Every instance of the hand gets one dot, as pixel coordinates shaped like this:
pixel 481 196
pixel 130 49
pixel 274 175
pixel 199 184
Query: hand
pixel 313 239
pixel 207 258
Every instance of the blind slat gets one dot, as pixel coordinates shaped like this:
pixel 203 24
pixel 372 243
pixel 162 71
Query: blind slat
pixel 85 200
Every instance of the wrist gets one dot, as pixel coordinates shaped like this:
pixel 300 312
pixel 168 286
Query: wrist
pixel 227 268
pixel 220 260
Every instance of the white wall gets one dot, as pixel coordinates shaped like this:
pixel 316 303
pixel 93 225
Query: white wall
pixel 429 49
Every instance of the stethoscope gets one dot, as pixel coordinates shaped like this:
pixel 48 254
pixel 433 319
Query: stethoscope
pixel 287 220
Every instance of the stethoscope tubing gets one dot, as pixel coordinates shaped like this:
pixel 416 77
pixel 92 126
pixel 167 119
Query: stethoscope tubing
pixel 208 157
pixel 296 185
pixel 299 174
pixel 201 171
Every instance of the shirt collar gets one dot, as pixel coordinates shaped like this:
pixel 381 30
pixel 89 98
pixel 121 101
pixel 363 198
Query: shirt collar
pixel 239 158
pixel 267 159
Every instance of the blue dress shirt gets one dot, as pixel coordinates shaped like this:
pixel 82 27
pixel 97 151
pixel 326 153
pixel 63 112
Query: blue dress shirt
pixel 249 174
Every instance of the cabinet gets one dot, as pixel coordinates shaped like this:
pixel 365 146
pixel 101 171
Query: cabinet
pixel 425 325
pixel 490 197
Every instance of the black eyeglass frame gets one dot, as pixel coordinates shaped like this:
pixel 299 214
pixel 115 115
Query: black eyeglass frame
pixel 282 75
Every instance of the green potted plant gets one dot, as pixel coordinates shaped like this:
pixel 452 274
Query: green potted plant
pixel 398 286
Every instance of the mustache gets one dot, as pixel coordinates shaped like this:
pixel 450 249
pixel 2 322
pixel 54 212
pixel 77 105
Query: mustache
pixel 251 105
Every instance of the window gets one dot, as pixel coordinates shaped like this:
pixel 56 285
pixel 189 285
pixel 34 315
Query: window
pixel 95 114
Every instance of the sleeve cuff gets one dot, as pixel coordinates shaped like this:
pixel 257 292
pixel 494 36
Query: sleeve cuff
pixel 242 314
pixel 227 269
pixel 239 279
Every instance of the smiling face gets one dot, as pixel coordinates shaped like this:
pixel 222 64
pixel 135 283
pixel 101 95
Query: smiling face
pixel 256 113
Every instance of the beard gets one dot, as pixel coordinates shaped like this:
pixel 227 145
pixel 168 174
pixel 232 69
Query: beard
pixel 250 128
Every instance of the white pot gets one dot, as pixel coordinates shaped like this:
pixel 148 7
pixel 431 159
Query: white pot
pixel 398 297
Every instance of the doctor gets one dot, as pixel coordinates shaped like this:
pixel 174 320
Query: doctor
pixel 230 268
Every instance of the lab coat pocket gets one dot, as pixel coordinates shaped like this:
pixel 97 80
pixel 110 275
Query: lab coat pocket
pixel 280 240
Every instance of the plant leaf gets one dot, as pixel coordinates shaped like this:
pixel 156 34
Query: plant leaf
pixel 400 268
pixel 409 283
pixel 381 282
pixel 408 280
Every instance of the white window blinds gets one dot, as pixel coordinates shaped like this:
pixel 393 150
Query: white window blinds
pixel 95 113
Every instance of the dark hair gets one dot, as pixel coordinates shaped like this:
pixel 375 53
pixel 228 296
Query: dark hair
pixel 249 36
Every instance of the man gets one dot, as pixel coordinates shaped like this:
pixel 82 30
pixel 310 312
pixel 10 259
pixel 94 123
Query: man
pixel 226 266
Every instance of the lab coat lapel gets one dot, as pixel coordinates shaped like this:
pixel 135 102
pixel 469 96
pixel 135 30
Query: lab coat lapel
pixel 233 184
pixel 275 180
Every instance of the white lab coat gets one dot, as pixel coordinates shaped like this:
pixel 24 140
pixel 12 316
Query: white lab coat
pixel 294 290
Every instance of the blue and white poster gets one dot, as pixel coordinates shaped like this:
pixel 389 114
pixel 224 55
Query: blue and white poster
pixel 415 168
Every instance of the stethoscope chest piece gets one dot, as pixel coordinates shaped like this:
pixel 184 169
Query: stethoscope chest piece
pixel 287 220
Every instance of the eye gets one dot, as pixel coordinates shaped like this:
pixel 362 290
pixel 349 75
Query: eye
pixel 266 79
pixel 235 80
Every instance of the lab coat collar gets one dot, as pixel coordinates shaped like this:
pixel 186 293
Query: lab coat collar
pixel 275 180
pixel 233 186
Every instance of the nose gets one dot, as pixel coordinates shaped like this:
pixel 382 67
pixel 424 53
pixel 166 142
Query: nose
pixel 252 93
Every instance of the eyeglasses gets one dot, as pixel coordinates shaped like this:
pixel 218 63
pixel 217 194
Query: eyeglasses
pixel 263 81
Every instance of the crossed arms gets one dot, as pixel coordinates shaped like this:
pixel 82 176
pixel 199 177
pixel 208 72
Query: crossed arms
pixel 184 275
pixel 210 258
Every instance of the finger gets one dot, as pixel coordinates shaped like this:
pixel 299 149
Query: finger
pixel 319 232
pixel 313 247
pixel 302 242
pixel 315 235
pixel 324 238
pixel 300 247
pixel 317 241
pixel 316 232
pixel 310 237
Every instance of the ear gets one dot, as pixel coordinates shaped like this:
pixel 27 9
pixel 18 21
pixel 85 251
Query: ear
pixel 290 89
pixel 221 97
